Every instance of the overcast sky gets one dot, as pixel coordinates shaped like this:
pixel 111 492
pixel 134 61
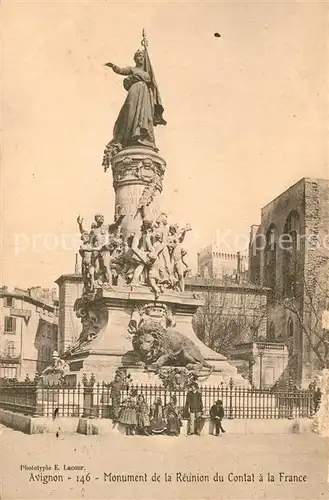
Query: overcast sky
pixel 247 116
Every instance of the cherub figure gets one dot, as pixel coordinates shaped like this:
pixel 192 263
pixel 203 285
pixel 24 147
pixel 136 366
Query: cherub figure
pixel 146 250
pixel 105 243
pixel 177 254
pixel 88 270
pixel 161 232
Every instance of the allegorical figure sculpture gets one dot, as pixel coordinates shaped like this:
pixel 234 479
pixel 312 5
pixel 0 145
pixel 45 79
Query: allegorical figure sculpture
pixel 142 109
pixel 54 374
pixel 152 257
pixel 99 251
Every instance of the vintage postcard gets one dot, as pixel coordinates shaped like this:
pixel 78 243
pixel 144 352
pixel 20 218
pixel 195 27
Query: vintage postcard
pixel 164 295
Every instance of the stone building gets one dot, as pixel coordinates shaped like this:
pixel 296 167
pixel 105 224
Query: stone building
pixel 28 330
pixel 69 326
pixel 242 311
pixel 244 301
pixel 214 263
pixel 288 253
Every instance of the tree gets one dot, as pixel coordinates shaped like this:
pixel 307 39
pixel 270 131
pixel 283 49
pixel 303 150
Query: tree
pixel 308 307
pixel 220 324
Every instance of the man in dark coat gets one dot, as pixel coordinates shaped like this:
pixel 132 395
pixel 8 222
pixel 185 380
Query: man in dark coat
pixel 217 415
pixel 193 410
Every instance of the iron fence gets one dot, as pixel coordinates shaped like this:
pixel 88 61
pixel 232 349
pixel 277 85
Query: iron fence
pixel 94 400
pixel 19 397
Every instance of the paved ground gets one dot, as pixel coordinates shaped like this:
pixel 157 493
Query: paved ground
pixel 229 456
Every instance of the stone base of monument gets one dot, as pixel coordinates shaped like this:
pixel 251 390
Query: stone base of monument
pixel 105 343
pixel 135 169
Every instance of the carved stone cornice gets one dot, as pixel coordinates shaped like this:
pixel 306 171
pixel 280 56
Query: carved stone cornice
pixel 138 166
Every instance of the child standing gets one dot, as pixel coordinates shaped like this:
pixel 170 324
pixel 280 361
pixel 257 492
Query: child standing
pixel 128 413
pixel 142 414
pixel 173 417
pixel 121 381
pixel 217 415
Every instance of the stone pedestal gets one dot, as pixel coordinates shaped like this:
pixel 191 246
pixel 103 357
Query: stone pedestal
pixel 265 361
pixel 110 345
pixel 134 169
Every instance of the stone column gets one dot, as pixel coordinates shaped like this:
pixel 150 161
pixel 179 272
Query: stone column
pixel 134 169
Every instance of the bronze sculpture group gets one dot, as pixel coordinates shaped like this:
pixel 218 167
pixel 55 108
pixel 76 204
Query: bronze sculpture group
pixel 153 257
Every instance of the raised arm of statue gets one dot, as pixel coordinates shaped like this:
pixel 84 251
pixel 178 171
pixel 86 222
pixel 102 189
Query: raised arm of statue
pixel 80 222
pixel 120 71
pixel 116 224
pixel 183 233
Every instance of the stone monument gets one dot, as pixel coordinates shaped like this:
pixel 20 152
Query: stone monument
pixel 135 312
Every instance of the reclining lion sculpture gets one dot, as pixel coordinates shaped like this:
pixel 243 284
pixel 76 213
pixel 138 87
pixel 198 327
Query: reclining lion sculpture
pixel 159 347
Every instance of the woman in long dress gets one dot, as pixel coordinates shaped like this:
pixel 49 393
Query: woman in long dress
pixel 127 416
pixel 142 414
pixel 158 423
pixel 174 422
pixel 140 112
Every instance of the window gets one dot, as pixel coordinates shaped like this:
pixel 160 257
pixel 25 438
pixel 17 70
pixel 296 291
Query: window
pixel 270 258
pixel 10 349
pixel 10 324
pixel 9 302
pixel 271 332
pixel 291 255
pixel 49 332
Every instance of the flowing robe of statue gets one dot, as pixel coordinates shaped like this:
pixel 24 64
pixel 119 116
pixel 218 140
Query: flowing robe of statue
pixel 134 124
pixel 142 109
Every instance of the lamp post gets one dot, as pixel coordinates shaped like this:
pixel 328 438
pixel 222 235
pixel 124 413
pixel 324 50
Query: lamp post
pixel 261 349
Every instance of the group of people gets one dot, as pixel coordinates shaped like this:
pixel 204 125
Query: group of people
pixel 193 411
pixel 138 418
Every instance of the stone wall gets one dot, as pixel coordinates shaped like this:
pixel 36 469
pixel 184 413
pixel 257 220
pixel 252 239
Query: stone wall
pixel 309 198
pixel 213 262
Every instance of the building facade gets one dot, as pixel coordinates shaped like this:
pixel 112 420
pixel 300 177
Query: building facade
pixel 28 331
pixel 288 253
pixel 242 306
pixel 214 263
pixel 69 327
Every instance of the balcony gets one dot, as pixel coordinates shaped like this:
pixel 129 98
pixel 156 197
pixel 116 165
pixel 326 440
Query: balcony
pixel 9 357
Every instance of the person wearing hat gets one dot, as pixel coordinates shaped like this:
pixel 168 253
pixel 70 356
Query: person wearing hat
pixel 217 415
pixel 193 410
pixel 127 415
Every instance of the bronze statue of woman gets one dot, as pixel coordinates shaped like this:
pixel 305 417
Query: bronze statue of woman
pixel 142 109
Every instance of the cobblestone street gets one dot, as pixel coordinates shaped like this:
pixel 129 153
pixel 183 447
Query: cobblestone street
pixel 101 461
